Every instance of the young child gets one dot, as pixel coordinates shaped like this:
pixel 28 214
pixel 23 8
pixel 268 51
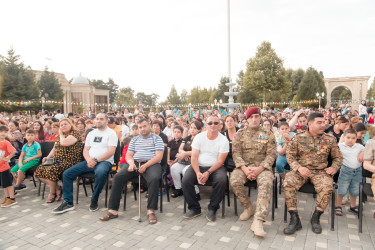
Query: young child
pixel 174 145
pixel 283 137
pixel 29 158
pixel 126 143
pixel 7 151
pixel 351 171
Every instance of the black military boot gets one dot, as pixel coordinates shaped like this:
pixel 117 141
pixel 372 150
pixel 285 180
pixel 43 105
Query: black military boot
pixel 294 224
pixel 315 222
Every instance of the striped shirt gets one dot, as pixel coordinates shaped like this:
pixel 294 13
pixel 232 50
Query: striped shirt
pixel 145 148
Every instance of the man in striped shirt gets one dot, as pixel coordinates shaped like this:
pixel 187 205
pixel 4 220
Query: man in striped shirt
pixel 146 149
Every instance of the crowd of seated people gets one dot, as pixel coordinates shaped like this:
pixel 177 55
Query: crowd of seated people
pixel 226 143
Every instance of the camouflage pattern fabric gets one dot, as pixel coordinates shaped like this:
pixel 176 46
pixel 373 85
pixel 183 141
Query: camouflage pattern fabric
pixel 319 178
pixel 254 148
pixel 306 151
pixel 257 147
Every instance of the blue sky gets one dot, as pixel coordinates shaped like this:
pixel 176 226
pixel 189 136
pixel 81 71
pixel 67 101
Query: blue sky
pixel 150 45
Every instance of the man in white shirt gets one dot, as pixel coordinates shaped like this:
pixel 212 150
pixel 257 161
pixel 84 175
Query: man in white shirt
pixel 210 149
pixel 100 147
pixel 59 116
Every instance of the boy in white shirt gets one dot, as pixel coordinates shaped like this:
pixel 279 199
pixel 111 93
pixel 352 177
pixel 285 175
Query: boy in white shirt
pixel 350 172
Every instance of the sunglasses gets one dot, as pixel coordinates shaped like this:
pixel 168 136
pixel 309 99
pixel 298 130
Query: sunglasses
pixel 214 123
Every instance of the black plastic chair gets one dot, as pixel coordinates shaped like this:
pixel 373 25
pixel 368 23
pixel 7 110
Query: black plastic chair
pixel 364 189
pixel 308 188
pixel 163 183
pixel 208 184
pixel 254 184
pixel 91 176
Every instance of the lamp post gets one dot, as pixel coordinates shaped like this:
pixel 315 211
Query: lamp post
pixel 221 101
pixel 320 96
pixel 43 99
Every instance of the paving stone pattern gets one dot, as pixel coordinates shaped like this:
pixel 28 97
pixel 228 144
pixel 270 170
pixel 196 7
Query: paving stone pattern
pixel 31 225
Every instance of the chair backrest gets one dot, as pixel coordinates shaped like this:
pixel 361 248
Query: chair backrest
pixel 117 155
pixel 46 148
pixel 366 173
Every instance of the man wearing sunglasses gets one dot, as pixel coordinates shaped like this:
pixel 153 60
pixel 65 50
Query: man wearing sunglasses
pixel 210 149
pixel 254 152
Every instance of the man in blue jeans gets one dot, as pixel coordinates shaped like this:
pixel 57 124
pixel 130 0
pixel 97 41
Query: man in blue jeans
pixel 100 146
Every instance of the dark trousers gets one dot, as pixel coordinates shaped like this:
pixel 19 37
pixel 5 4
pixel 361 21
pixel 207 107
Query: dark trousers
pixel 152 176
pixel 217 179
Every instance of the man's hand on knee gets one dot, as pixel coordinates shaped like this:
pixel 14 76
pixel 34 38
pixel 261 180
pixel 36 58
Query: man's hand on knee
pixel 330 171
pixel 304 171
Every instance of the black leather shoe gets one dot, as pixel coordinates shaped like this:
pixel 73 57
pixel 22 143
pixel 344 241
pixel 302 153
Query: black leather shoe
pixel 315 222
pixel 294 224
pixel 211 215
pixel 192 214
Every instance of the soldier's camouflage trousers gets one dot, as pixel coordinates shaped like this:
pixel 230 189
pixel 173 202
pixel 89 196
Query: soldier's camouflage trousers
pixel 319 178
pixel 264 181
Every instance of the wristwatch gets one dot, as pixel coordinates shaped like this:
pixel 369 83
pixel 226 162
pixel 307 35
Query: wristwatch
pixel 96 160
pixel 209 172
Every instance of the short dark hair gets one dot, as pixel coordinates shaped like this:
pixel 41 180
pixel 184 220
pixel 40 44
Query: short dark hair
pixel 283 124
pixel 158 123
pixel 4 128
pixel 359 127
pixel 314 115
pixel 142 120
pixel 179 128
pixel 350 131
pixel 30 131
pixel 342 119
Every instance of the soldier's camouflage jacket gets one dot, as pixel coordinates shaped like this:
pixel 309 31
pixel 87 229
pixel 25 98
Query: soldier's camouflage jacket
pixel 306 151
pixel 254 147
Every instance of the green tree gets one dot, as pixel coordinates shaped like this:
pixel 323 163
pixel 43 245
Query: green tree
pixel 18 80
pixel 125 96
pixel 245 95
pixel 110 85
pixel 265 71
pixel 312 83
pixel 371 91
pixel 294 78
pixel 194 96
pixel 341 93
pixel 149 100
pixel 221 89
pixel 49 86
pixel 173 97
pixel 184 96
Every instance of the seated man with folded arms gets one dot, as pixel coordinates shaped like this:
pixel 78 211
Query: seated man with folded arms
pixel 146 149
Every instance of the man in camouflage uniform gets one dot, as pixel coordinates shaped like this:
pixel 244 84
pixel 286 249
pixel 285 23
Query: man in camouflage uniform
pixel 307 154
pixel 254 153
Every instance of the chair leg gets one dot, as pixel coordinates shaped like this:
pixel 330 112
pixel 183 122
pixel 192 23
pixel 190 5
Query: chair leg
pixel 40 187
pixel 84 185
pixel 167 186
pixel 161 195
pixel 44 190
pixel 92 188
pixel 184 205
pixel 235 205
pixel 223 207
pixel 34 180
pixel 285 214
pixel 78 179
pixel 106 194
pixel 360 208
pixel 125 194
pixel 273 201
pixel 280 186
pixel 275 191
pixel 333 210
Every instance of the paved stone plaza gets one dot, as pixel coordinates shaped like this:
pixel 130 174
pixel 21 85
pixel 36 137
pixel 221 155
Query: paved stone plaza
pixel 31 225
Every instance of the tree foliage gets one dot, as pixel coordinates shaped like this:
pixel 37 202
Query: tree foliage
pixel 173 97
pixel 147 99
pixel 18 80
pixel 49 86
pixel 294 78
pixel 221 88
pixel 312 83
pixel 341 93
pixel 265 71
pixel 110 85
pixel 371 91
pixel 125 96
pixel 245 95
pixel 184 96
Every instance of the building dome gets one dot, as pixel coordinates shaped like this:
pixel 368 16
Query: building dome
pixel 80 80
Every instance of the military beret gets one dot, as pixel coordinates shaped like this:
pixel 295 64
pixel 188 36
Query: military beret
pixel 251 111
